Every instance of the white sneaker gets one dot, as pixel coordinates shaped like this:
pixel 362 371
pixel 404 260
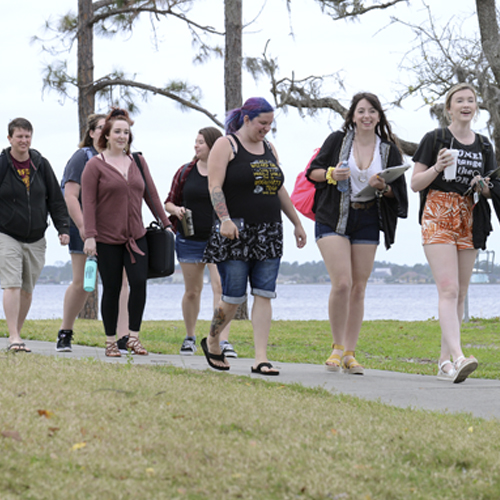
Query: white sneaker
pixel 227 349
pixel 450 374
pixel 188 347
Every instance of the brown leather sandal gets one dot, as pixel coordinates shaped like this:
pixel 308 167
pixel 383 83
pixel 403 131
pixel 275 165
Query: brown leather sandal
pixel 135 346
pixel 112 350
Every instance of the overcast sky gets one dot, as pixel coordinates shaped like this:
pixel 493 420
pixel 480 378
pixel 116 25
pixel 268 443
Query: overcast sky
pixel 367 57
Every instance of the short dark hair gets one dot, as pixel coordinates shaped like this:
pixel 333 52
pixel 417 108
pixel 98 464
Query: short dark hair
pixel 19 123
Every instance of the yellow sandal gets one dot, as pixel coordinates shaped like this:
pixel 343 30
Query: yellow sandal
pixel 334 361
pixel 351 366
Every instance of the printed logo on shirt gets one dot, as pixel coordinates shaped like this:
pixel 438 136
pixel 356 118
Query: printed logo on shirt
pixel 469 164
pixel 268 178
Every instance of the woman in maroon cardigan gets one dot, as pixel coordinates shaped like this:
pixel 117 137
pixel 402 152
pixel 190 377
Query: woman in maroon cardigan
pixel 112 193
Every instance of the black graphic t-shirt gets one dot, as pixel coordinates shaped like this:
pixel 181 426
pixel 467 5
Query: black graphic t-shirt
pixel 472 160
pixel 251 186
pixel 251 190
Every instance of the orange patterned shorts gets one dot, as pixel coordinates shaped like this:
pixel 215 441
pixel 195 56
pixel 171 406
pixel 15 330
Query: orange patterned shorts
pixel 447 220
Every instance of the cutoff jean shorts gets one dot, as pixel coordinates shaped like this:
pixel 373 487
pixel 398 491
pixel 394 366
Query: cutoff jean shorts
pixel 75 242
pixel 362 227
pixel 235 275
pixel 188 250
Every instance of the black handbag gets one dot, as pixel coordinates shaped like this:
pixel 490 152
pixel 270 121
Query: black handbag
pixel 161 241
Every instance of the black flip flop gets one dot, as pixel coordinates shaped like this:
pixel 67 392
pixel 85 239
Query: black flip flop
pixel 210 356
pixel 266 365
pixel 18 347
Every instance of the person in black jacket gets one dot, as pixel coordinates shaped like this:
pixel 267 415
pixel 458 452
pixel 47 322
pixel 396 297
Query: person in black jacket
pixel 29 192
pixel 348 222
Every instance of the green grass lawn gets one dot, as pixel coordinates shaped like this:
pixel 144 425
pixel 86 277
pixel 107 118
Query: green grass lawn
pixel 403 346
pixel 83 429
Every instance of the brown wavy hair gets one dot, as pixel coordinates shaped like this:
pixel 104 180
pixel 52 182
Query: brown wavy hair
pixel 114 115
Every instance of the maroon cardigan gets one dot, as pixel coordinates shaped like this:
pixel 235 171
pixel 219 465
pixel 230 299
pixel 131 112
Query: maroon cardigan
pixel 112 205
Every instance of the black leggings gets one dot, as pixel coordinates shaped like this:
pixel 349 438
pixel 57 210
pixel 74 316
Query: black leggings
pixel 111 260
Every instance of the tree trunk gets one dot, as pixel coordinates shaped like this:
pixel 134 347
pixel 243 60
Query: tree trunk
pixel 86 104
pixel 490 42
pixel 86 97
pixel 233 17
pixel 233 21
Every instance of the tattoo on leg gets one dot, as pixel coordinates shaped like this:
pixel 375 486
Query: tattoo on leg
pixel 217 321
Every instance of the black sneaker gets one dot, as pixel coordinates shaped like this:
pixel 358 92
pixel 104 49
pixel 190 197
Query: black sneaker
pixel 64 340
pixel 122 344
pixel 188 347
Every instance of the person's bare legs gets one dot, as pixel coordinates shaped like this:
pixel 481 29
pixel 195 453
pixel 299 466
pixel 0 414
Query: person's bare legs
pixel 217 293
pixel 16 305
pixel 362 259
pixel 75 296
pixel 223 314
pixel 193 285
pixel 336 253
pixel 261 323
pixel 451 270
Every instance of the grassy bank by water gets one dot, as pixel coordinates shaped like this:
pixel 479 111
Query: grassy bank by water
pixel 404 346
pixel 83 429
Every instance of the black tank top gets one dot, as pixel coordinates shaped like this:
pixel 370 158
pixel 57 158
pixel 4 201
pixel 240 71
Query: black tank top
pixel 251 186
pixel 197 199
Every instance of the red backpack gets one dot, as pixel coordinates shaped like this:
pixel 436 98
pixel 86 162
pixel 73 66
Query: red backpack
pixel 303 192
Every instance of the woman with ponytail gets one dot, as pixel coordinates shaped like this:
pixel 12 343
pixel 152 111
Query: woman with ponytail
pixel 247 190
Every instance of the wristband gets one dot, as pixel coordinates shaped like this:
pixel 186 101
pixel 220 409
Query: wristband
pixel 438 171
pixel 329 176
pixel 224 219
pixel 381 192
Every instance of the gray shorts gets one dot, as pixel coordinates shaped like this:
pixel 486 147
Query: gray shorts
pixel 20 263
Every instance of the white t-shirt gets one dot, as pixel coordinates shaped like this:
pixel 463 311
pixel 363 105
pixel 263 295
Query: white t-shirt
pixel 360 178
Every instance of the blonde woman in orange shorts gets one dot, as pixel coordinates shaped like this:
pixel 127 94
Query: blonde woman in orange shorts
pixel 454 216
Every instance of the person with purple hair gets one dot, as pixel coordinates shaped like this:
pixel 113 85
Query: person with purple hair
pixel 247 190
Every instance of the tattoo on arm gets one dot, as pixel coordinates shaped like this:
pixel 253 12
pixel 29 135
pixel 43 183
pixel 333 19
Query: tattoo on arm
pixel 218 322
pixel 219 202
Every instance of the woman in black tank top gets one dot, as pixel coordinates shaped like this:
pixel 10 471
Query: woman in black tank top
pixel 189 199
pixel 248 195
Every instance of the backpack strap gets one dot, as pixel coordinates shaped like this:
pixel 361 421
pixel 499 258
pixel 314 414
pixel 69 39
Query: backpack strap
pixel 4 165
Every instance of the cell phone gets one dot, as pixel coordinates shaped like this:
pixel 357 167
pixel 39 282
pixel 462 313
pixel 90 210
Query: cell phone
pixel 238 221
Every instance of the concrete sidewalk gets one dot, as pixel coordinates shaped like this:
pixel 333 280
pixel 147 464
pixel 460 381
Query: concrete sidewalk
pixel 478 397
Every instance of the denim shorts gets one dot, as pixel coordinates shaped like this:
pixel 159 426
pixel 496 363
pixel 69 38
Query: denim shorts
pixel 75 242
pixel 235 274
pixel 189 251
pixel 362 227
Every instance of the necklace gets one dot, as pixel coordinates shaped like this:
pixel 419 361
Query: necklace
pixel 363 176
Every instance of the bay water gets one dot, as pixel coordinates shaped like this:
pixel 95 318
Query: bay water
pixel 294 302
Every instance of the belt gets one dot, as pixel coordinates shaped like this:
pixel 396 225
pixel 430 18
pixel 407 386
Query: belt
pixel 362 205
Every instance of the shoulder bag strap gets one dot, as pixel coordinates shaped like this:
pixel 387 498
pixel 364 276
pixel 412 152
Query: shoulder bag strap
pixel 139 165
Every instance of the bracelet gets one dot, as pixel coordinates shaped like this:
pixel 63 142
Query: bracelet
pixel 224 219
pixel 381 192
pixel 329 176
pixel 438 171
